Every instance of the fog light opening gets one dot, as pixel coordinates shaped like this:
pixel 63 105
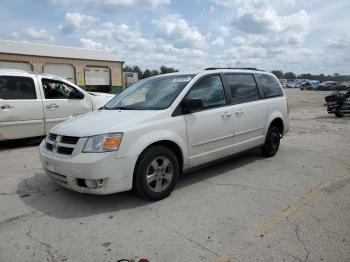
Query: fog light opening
pixel 90 183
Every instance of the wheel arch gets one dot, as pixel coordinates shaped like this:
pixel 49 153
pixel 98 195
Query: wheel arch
pixel 171 145
pixel 174 147
pixel 277 120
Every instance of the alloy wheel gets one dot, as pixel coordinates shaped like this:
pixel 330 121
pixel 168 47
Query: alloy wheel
pixel 159 174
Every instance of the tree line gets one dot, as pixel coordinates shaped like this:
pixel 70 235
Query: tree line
pixel 321 77
pixel 278 73
pixel 149 72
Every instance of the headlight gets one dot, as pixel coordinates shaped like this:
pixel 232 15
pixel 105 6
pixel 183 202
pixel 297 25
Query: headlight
pixel 103 143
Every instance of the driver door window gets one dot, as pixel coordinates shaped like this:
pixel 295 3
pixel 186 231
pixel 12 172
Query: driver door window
pixel 210 90
pixel 57 90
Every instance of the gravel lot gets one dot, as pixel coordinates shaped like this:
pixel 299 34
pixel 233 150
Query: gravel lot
pixel 298 200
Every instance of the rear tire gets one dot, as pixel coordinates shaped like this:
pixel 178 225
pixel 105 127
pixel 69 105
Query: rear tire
pixel 156 173
pixel 272 142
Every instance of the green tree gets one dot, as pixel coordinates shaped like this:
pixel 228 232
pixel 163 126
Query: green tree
pixel 306 76
pixel 137 70
pixel 166 70
pixel 154 72
pixel 146 74
pixel 277 73
pixel 128 69
pixel 289 75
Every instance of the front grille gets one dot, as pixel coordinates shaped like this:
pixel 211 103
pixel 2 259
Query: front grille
pixel 65 150
pixel 52 136
pixel 49 146
pixel 72 140
pixel 61 144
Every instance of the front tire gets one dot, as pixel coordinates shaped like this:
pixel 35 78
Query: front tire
pixel 156 173
pixel 272 142
pixel 339 114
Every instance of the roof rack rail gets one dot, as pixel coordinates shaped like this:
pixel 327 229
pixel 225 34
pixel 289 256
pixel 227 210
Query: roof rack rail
pixel 240 68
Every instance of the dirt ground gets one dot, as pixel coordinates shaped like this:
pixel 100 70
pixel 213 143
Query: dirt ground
pixel 292 207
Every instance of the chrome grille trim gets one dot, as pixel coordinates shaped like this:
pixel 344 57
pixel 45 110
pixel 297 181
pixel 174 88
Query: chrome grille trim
pixel 69 140
pixel 61 145
pixel 64 150
pixel 52 136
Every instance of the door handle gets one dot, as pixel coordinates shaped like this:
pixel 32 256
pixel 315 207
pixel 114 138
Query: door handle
pixel 226 114
pixel 7 107
pixel 52 106
pixel 239 112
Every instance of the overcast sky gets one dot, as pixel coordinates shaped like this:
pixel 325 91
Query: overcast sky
pixel 300 36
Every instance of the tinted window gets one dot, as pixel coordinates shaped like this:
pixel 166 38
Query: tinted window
pixel 210 90
pixel 56 89
pixel 243 88
pixel 269 85
pixel 17 87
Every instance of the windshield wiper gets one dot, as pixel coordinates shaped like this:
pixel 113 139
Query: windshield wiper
pixel 129 108
pixel 120 108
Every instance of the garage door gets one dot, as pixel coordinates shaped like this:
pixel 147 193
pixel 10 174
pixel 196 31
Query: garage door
pixel 97 76
pixel 16 65
pixel 65 71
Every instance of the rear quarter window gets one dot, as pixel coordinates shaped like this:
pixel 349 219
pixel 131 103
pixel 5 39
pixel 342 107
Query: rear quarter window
pixel 17 88
pixel 269 85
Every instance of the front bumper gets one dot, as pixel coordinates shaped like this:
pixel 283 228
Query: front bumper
pixel 116 172
pixel 332 109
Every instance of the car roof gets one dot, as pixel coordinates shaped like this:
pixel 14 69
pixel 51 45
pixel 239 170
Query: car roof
pixel 216 70
pixel 234 70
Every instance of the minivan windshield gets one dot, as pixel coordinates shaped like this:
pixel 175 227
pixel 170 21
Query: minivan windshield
pixel 154 93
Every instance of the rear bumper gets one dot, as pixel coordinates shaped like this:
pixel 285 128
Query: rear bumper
pixel 116 172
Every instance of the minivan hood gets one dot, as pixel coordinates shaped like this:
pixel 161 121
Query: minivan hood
pixel 104 121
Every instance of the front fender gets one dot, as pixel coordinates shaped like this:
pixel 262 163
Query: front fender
pixel 139 143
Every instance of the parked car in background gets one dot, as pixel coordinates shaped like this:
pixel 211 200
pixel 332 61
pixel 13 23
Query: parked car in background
pixel 32 103
pixel 283 83
pixel 291 84
pixel 338 103
pixel 310 85
pixel 158 127
pixel 343 86
pixel 328 86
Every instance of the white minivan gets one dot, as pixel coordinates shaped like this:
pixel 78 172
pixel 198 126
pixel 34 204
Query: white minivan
pixel 157 128
pixel 32 103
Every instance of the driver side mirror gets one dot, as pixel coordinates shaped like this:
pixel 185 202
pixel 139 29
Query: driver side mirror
pixel 190 105
pixel 75 94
